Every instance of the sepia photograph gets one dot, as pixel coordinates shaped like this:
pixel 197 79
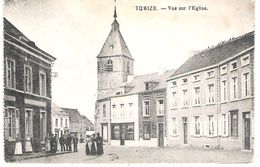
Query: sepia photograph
pixel 128 81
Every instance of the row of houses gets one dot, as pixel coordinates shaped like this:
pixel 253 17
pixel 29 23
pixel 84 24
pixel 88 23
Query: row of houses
pixel 207 102
pixel 28 108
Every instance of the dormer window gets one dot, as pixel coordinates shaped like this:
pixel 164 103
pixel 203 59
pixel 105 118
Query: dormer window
pixel 233 65
pixel 109 65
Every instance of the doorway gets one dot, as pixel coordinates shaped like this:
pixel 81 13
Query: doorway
pixel 247 129
pixel 160 135
pixel 185 130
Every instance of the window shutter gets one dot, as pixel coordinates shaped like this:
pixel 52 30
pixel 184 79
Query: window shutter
pixel 206 126
pixel 6 128
pixel 220 121
pixel 215 125
pixel 227 124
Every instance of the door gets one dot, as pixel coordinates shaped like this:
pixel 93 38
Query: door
pixel 185 130
pixel 247 129
pixel 104 132
pixel 160 135
pixel 122 134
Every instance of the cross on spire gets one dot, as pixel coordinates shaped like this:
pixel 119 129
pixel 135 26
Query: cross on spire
pixel 115 15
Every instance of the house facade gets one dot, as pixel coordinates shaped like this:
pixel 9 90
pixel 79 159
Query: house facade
pixel 210 98
pixel 27 90
pixel 60 121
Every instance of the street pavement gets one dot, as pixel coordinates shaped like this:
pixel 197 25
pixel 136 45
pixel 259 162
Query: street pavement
pixel 149 155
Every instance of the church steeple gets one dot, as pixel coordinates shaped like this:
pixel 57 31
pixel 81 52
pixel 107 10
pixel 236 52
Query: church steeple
pixel 115 24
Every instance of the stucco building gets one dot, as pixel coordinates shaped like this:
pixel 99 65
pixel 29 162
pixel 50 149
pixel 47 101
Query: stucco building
pixel 210 98
pixel 27 90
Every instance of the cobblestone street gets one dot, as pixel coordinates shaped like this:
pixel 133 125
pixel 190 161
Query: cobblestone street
pixel 149 155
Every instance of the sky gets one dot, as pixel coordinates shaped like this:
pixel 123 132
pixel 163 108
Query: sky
pixel 74 32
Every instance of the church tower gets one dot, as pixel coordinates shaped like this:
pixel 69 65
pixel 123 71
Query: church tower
pixel 114 62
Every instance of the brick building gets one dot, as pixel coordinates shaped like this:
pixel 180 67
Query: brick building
pixel 27 90
pixel 210 98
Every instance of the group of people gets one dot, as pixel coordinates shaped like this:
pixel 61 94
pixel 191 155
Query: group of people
pixel 94 145
pixel 66 141
pixel 27 142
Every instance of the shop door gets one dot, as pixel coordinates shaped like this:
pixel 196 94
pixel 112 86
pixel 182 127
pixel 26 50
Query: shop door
pixel 160 135
pixel 247 131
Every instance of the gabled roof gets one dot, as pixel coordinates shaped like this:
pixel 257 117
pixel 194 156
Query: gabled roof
pixel 14 35
pixel 216 54
pixel 56 110
pixel 115 44
pixel 87 121
pixel 73 113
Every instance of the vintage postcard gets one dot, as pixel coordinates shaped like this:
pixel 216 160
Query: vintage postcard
pixel 128 81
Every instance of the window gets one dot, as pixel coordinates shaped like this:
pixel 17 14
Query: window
pixel 223 69
pixel 28 79
pixel 197 125
pixel 245 85
pixel 56 123
pixel 224 125
pixel 66 123
pixel 11 123
pixel 210 74
pixel 129 135
pixel 234 123
pixel 185 97
pixel 196 77
pixel 233 88
pixel 104 111
pixel 146 108
pixel 122 110
pixel 174 100
pixel 196 97
pixel 131 112
pixel 28 123
pixel 245 60
pixel 211 125
pixel 224 90
pixel 109 65
pixel 61 122
pixel 184 81
pixel 10 73
pixel 211 94
pixel 42 84
pixel 115 132
pixel 128 67
pixel 146 86
pixel 160 107
pixel 174 83
pixel 174 126
pixel 147 131
pixel 233 65
pixel 43 125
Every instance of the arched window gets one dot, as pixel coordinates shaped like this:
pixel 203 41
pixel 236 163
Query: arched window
pixel 109 65
pixel 104 111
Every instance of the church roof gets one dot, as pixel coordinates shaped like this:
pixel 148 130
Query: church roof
pixel 115 44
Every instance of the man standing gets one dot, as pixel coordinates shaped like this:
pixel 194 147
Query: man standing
pixel 69 142
pixel 75 143
pixel 99 141
pixel 62 147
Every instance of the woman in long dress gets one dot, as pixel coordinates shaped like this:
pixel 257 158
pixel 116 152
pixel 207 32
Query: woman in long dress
pixel 99 141
pixel 28 144
pixel 93 150
pixel 47 143
pixel 88 145
pixel 18 146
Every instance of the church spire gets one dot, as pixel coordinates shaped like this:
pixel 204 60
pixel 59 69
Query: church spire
pixel 115 24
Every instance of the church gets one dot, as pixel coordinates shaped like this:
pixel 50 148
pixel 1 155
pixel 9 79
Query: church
pixel 129 109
